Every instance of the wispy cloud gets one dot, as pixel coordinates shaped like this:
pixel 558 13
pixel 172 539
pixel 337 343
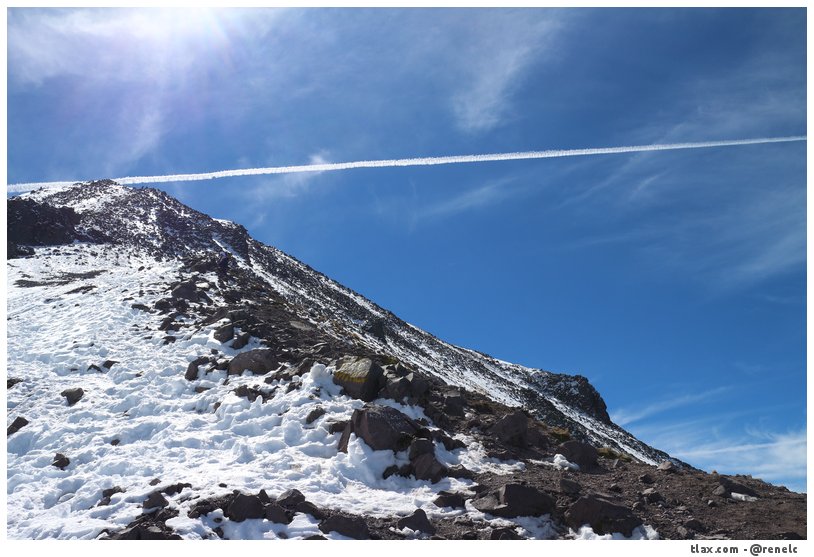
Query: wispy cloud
pixel 477 198
pixel 500 53
pixel 625 416
pixel 776 457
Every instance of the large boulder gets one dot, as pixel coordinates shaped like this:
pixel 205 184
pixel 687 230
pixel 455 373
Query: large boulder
pixel 224 333
pixel 579 453
pixel 259 362
pixel 513 500
pixel 186 291
pixel 360 377
pixel 427 467
pixel 245 506
pixel 383 428
pixel 728 486
pixel 603 516
pixel 511 429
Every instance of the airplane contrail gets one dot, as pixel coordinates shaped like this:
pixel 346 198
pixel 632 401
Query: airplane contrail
pixel 423 161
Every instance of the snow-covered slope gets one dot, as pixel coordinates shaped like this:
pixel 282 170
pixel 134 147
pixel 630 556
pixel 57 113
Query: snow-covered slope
pixel 155 223
pixel 81 316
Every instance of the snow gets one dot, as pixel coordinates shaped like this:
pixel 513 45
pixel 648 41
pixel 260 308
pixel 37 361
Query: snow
pixel 643 532
pixel 165 430
pixel 742 497
pixel 535 527
pixel 561 462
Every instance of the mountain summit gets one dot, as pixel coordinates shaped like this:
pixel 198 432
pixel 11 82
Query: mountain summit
pixel 151 396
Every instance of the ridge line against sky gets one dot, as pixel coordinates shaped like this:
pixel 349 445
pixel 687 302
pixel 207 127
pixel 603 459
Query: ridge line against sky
pixel 421 161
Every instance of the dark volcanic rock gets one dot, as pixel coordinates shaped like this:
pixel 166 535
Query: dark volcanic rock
pixel 450 443
pixel 31 223
pixel 454 405
pixel 307 507
pixel 73 395
pixel 360 377
pixel 259 362
pixel 420 447
pixel 276 513
pixel 314 414
pixel 186 291
pixel 667 466
pixel 291 498
pixel 241 340
pixel 192 368
pixel 505 533
pixel 652 496
pixel 602 516
pixel 427 467
pixel 245 506
pixel 147 532
pixel 398 388
pixel 578 453
pixel 514 500
pixel 174 489
pixel 511 429
pixel 61 461
pixel 350 526
pixel 730 486
pixel 253 393
pixel 383 427
pixel 205 506
pixel 569 486
pixel 155 499
pixel 107 494
pixel 447 499
pixel 18 423
pixel 417 521
pixel 224 333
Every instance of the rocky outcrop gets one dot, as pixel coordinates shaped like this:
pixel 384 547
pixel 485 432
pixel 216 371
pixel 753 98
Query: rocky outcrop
pixel 513 500
pixel 360 377
pixel 603 516
pixel 31 223
pixel 381 427
pixel 259 362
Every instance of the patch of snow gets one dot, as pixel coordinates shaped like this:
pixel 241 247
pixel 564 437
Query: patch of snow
pixel 643 532
pixel 742 497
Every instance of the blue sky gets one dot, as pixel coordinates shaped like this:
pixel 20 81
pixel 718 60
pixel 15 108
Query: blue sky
pixel 675 281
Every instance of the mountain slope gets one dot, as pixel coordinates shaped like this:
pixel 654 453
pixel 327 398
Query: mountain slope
pixel 128 307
